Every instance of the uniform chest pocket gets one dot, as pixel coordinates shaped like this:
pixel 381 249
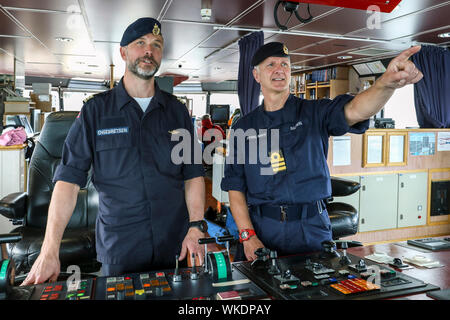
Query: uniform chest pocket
pixel 113 133
pixel 293 133
pixel 168 152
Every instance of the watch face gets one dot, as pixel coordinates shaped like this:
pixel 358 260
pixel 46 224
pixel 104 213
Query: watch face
pixel 244 234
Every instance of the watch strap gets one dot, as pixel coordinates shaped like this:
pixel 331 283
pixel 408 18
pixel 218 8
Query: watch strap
pixel 199 224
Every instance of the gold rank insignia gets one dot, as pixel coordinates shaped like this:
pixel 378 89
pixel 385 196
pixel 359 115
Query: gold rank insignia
pixel 277 161
pixel 285 49
pixel 156 30
pixel 88 98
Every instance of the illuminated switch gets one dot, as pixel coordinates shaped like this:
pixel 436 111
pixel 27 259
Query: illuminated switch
pixel 120 287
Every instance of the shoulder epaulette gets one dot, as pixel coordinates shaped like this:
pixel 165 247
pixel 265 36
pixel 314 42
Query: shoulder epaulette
pixel 88 98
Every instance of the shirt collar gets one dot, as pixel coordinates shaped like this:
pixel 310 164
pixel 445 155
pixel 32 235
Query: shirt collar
pixel 123 98
pixel 288 113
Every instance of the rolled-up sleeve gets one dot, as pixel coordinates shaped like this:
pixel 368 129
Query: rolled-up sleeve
pixel 76 156
pixel 335 122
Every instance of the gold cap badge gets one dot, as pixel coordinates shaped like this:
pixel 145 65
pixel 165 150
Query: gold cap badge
pixel 156 31
pixel 285 49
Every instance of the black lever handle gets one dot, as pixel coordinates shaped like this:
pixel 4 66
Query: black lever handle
pixel 225 238
pixel 10 237
pixel 206 240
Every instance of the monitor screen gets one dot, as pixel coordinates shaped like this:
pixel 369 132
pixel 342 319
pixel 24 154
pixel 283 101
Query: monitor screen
pixel 19 120
pixel 219 113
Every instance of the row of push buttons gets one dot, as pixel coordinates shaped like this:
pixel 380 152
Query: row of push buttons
pixel 156 285
pixel 78 291
pixel 51 292
pixel 354 285
pixel 119 288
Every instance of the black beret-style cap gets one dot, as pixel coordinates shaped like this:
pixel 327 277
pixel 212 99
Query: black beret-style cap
pixel 140 27
pixel 271 49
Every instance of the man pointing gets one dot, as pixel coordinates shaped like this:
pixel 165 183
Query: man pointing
pixel 285 210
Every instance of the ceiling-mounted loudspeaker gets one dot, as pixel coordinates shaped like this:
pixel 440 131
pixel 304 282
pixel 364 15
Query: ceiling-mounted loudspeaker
pixel 292 8
pixel 384 5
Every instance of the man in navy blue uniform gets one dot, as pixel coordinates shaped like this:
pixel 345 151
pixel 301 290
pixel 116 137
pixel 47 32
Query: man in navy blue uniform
pixel 150 207
pixel 279 203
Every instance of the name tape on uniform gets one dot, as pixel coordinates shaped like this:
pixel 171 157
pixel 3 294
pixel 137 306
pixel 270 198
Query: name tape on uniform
pixel 105 132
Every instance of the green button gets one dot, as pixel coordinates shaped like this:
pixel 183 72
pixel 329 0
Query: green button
pixel 70 295
pixel 80 294
pixel 315 284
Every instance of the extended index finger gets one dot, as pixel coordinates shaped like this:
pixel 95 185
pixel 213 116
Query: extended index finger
pixel 406 54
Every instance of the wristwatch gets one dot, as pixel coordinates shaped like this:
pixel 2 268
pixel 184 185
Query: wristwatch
pixel 246 234
pixel 200 224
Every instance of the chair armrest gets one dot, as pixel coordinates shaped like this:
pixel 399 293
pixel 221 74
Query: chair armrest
pixel 341 187
pixel 13 205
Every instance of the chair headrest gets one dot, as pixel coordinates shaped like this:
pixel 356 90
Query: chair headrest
pixel 54 131
pixel 342 187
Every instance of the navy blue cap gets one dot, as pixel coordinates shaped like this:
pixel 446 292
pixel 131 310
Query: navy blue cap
pixel 271 49
pixel 140 27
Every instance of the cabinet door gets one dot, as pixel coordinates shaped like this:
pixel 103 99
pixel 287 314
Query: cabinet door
pixel 352 199
pixel 12 175
pixel 12 171
pixel 217 175
pixel 378 202
pixel 412 199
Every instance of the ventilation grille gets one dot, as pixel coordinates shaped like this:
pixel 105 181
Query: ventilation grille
pixel 372 52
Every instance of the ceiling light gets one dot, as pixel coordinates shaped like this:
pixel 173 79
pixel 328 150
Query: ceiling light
pixel 64 39
pixel 444 35
pixel 344 57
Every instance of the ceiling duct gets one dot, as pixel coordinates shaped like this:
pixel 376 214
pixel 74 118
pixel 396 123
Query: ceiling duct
pixel 370 52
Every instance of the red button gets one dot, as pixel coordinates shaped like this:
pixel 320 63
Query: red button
pixel 58 288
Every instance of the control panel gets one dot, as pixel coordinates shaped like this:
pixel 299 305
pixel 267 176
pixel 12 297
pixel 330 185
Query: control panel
pixel 329 275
